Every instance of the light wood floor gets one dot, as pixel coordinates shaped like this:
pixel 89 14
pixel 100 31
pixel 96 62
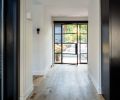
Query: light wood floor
pixel 65 82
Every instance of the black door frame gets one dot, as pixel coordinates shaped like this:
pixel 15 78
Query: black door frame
pixel 105 44
pixel 11 48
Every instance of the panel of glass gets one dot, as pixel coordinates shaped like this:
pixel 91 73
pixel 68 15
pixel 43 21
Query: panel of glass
pixel 83 38
pixel 83 28
pixel 57 48
pixel 57 38
pixel 57 58
pixel 69 38
pixel 57 28
pixel 69 28
pixel 67 58
pixel 69 48
pixel 83 58
pixel 83 48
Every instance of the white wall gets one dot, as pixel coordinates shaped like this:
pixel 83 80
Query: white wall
pixel 42 43
pixel 38 40
pixel 94 46
pixel 48 42
pixel 26 84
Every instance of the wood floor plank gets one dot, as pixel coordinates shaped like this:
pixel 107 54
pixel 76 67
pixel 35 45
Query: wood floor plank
pixel 65 82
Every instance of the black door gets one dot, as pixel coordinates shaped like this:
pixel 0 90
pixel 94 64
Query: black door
pixel 110 49
pixel 9 59
pixel 115 49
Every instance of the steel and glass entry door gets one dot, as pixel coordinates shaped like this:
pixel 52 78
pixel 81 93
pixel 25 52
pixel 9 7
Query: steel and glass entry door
pixel 66 43
pixel 68 40
pixel 69 43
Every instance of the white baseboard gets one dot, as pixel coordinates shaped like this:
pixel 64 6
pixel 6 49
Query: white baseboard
pixel 98 88
pixel 28 93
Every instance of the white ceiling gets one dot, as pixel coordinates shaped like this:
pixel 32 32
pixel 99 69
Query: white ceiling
pixel 69 8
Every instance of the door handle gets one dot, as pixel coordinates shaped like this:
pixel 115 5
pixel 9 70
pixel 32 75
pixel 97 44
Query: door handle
pixel 76 48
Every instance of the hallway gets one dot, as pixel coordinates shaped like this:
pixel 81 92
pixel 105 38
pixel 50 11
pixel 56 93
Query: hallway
pixel 65 82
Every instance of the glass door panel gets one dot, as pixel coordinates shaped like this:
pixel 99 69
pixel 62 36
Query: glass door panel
pixel 58 58
pixel 57 55
pixel 83 28
pixel 69 28
pixel 69 38
pixel 58 39
pixel 69 58
pixel 57 28
pixel 83 48
pixel 84 58
pixel 57 48
pixel 83 39
pixel 69 49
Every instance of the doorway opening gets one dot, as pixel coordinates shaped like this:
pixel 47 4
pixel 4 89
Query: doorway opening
pixel 70 42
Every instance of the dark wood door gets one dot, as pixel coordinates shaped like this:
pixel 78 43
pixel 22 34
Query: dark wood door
pixel 11 49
